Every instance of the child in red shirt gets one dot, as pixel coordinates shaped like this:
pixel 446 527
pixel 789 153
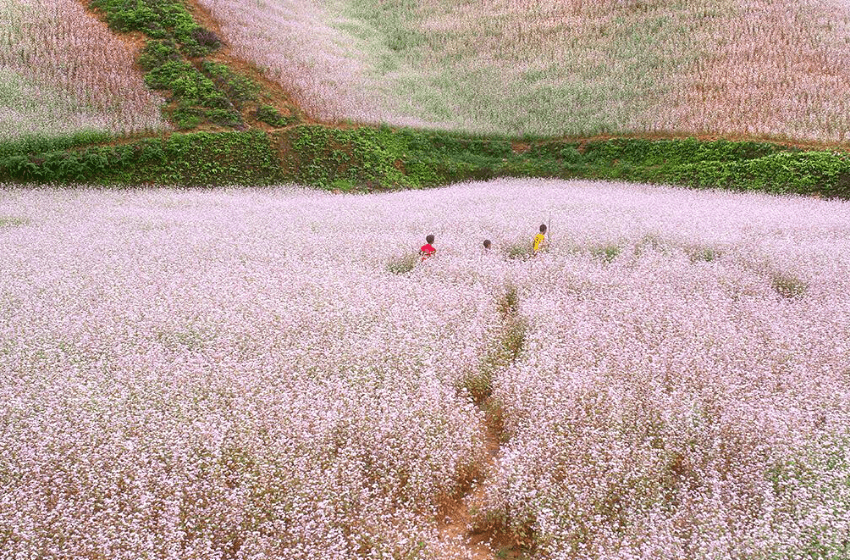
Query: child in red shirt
pixel 427 250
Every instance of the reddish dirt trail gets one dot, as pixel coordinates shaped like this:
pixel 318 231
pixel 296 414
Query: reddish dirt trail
pixel 273 93
pixel 460 523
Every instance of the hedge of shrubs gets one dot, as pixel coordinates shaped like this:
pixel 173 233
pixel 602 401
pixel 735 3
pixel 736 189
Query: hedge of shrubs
pixel 369 158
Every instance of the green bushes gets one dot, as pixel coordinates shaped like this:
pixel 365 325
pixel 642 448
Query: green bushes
pixel 369 158
pixel 784 172
pixel 42 144
pixel 157 54
pixel 238 89
pixel 221 158
pixel 408 158
pixel 159 19
pixel 271 116
pixel 788 285
pixel 403 264
pixel 673 152
pixel 200 159
pixel 199 96
pixel 200 91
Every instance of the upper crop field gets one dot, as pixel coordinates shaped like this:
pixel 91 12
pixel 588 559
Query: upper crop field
pixel 245 374
pixel 62 72
pixel 771 68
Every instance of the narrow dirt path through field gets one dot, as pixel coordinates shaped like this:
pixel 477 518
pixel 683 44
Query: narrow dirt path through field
pixel 459 525
pixel 462 525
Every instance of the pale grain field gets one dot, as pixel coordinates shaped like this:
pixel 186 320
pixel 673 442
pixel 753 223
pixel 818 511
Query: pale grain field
pixel 62 71
pixel 236 374
pixel 767 68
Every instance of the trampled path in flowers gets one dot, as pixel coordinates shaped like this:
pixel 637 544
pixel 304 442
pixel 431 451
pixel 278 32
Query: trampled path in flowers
pixel 472 536
pixel 247 373
pixel 456 520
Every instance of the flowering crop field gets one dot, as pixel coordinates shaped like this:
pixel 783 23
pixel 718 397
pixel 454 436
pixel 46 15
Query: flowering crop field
pixel 244 373
pixel 62 71
pixel 773 68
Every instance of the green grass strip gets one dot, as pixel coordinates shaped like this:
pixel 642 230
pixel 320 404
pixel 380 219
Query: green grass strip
pixel 369 158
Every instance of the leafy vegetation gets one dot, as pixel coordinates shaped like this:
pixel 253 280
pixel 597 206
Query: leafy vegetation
pixel 201 91
pixel 382 158
pixel 37 144
pixel 788 285
pixel 699 253
pixel 198 95
pixel 402 264
pixel 238 89
pixel 606 253
pixel 160 19
pixel 200 158
pixel 520 250
pixel 272 117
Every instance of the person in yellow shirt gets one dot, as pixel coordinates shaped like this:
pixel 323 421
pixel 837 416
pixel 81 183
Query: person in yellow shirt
pixel 540 239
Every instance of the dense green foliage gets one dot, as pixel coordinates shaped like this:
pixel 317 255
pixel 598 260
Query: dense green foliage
pixel 382 158
pixel 159 19
pixel 238 89
pixel 346 158
pixel 272 117
pixel 200 91
pixel 42 144
pixel 198 96
pixel 196 159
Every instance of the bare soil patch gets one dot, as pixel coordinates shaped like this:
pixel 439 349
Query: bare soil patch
pixel 271 92
pixel 460 519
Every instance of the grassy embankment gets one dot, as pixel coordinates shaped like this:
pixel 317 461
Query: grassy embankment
pixel 382 158
pixel 246 140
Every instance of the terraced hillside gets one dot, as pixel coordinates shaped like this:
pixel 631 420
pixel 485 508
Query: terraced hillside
pixel 287 78
pixel 766 68
pixel 62 72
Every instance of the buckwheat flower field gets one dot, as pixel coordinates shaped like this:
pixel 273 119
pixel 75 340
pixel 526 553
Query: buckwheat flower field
pixel 62 71
pixel 775 68
pixel 251 373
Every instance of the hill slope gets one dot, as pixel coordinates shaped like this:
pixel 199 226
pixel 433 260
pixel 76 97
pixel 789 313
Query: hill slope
pixel 62 71
pixel 765 68
pixel 215 85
